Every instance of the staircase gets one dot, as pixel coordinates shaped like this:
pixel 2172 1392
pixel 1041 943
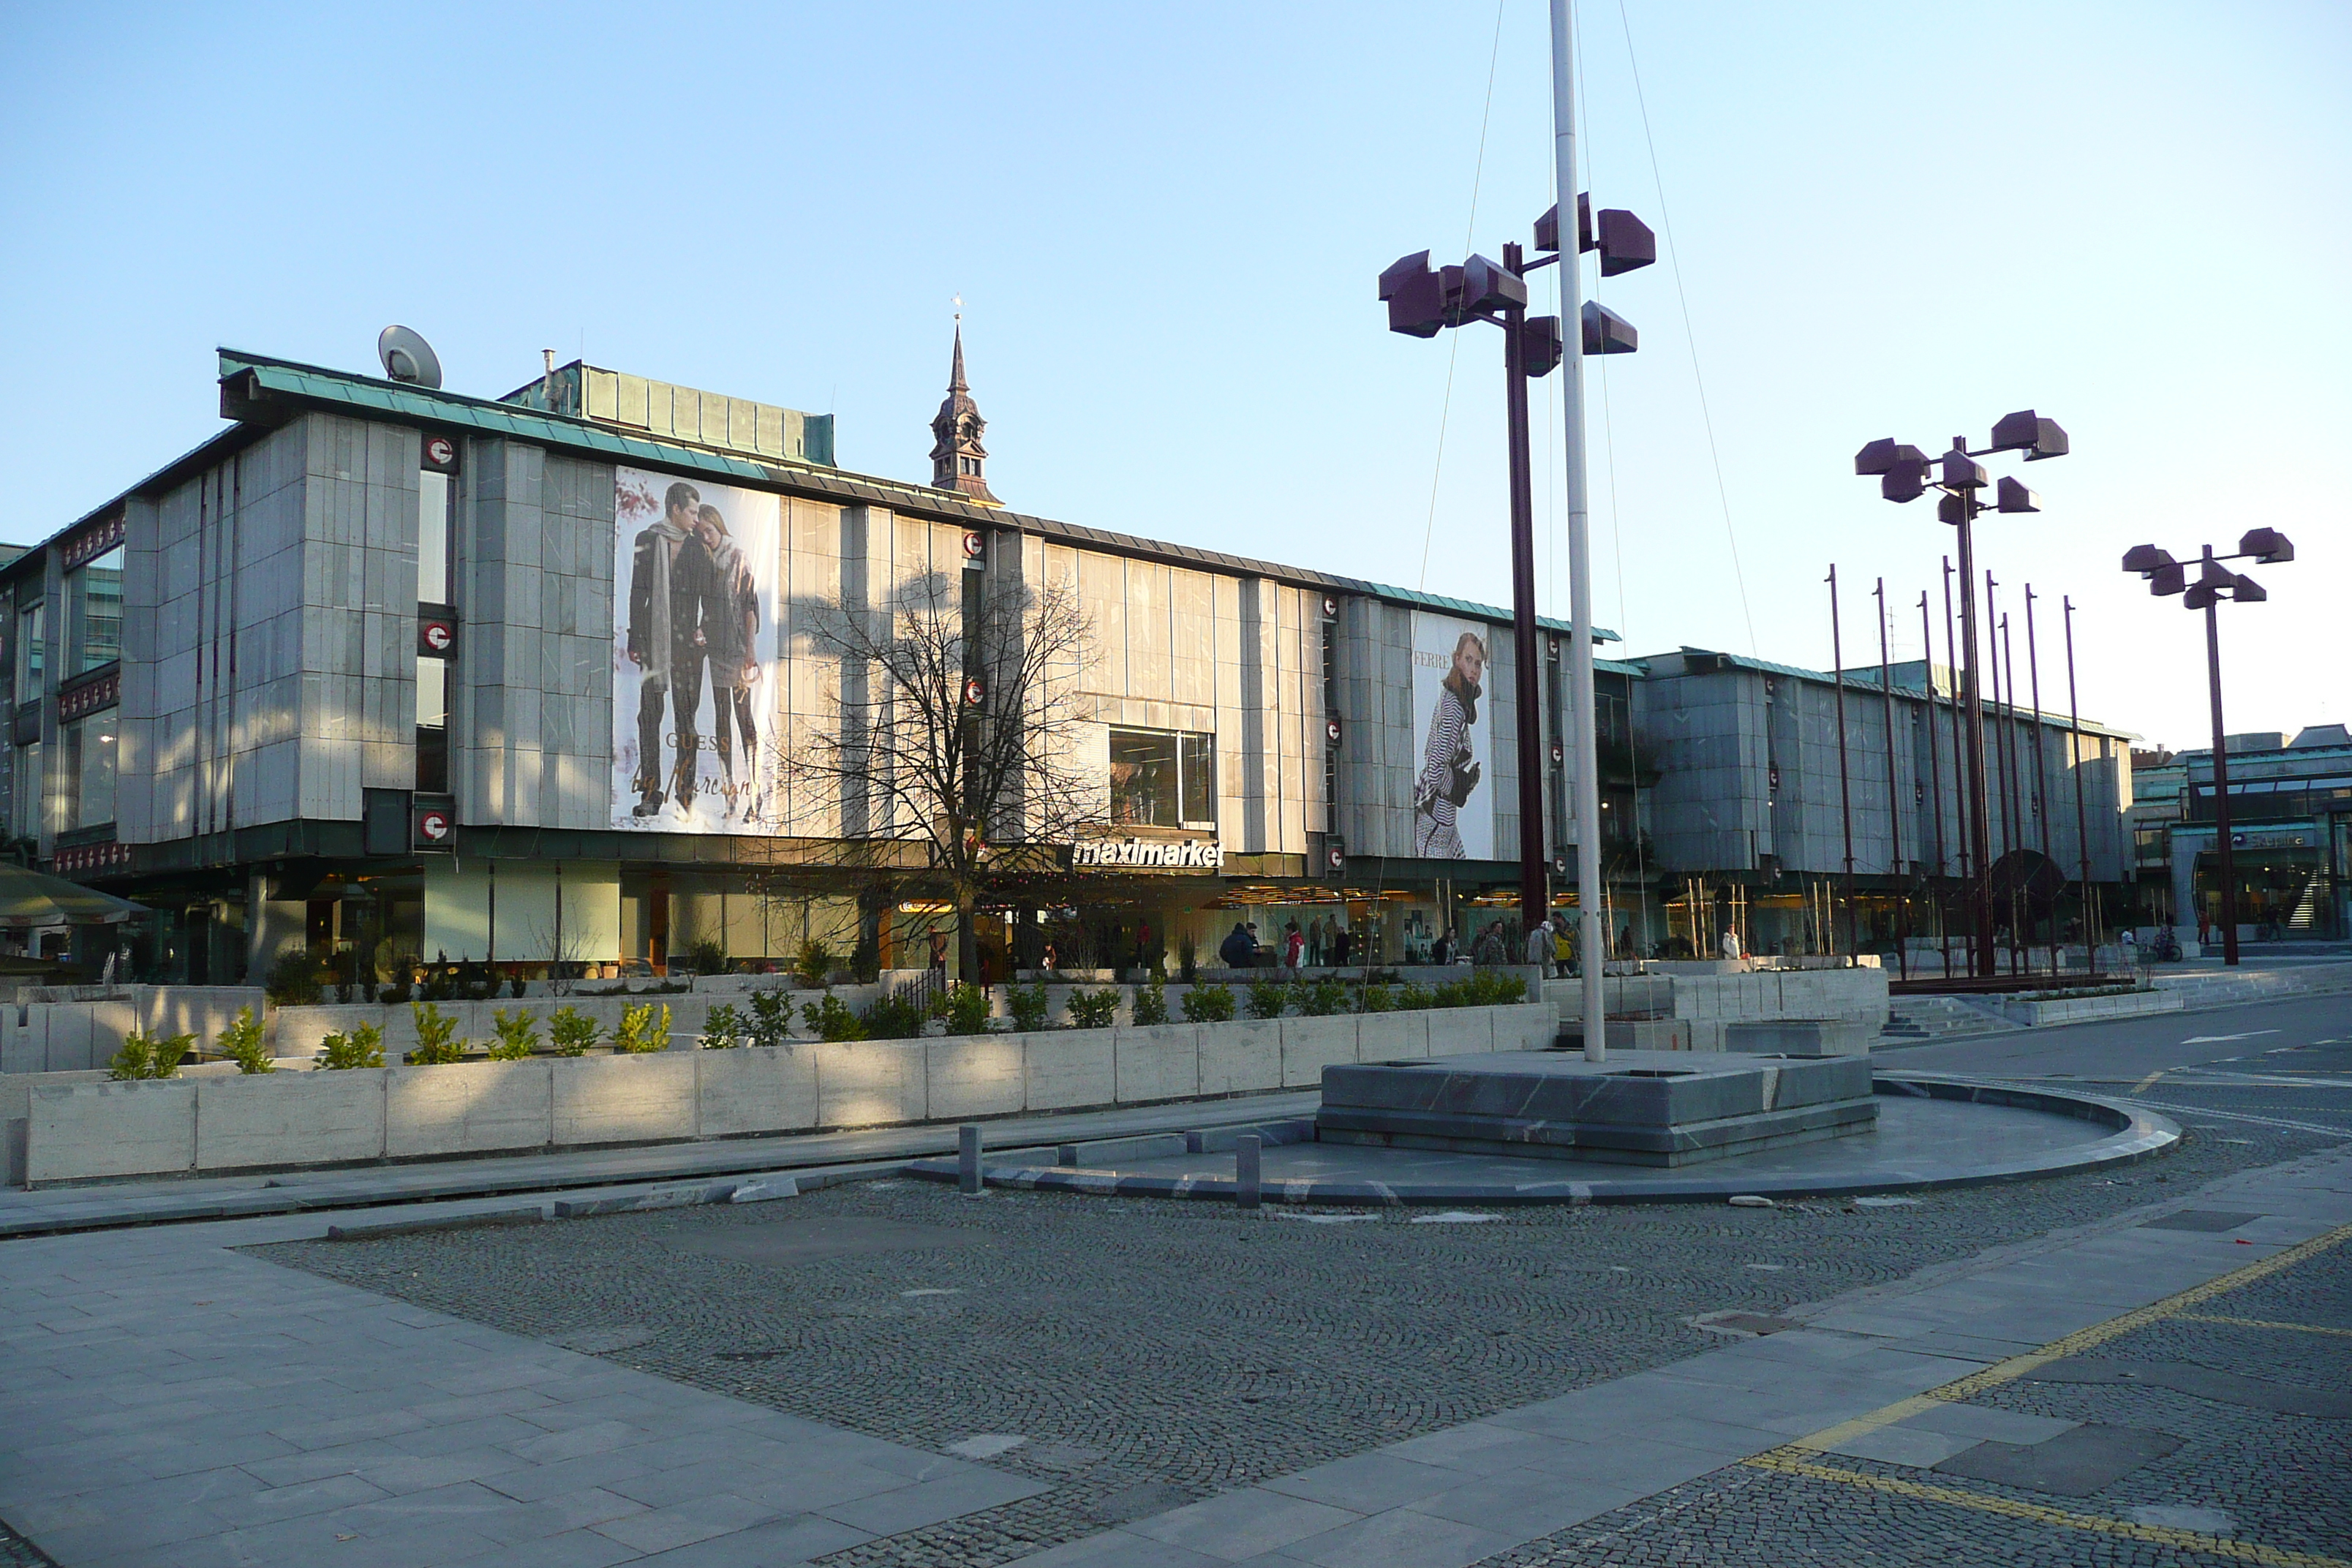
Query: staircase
pixel 1916 1020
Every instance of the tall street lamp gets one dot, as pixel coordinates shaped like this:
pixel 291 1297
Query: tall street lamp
pixel 1904 473
pixel 1423 301
pixel 2215 583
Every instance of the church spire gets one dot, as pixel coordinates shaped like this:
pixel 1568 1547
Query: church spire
pixel 959 462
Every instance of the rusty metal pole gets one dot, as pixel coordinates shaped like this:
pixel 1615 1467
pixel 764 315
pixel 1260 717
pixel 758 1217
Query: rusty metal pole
pixel 1845 799
pixel 1894 798
pixel 1535 881
pixel 1935 779
pixel 2041 777
pixel 2082 817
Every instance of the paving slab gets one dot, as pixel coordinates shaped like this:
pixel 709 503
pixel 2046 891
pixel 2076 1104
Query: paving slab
pixel 217 1408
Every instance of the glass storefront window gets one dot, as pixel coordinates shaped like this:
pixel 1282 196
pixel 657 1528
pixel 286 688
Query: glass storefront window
pixel 431 537
pixel 31 650
pixel 433 725
pixel 25 802
pixel 1162 778
pixel 94 613
pixel 89 770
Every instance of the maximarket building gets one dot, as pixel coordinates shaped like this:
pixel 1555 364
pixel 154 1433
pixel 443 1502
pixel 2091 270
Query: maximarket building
pixel 399 674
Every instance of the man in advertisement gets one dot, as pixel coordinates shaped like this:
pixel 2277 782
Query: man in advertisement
pixel 669 580
pixel 729 631
pixel 1449 768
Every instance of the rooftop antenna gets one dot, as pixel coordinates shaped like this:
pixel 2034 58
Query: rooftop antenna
pixel 408 357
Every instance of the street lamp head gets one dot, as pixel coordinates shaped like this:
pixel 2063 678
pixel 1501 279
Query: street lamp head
pixel 1486 287
pixel 1905 481
pixel 1878 457
pixel 2014 497
pixel 1548 226
pixel 1540 346
pixel 2170 578
pixel 1606 332
pixel 2201 596
pixel 2145 559
pixel 1952 509
pixel 2267 545
pixel 2026 431
pixel 2248 591
pixel 1415 298
pixel 1961 472
pixel 1625 242
pixel 2216 576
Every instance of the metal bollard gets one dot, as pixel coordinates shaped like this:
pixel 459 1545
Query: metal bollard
pixel 1246 1170
pixel 968 1160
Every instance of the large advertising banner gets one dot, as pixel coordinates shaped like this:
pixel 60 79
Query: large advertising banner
pixel 1452 799
pixel 695 657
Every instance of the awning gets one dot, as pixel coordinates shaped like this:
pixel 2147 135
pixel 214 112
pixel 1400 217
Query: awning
pixel 29 898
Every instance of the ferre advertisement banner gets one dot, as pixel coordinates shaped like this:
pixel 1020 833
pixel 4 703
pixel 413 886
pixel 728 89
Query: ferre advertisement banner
pixel 1453 793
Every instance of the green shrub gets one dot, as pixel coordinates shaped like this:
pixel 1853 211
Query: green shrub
pixel 1151 1003
pixel 724 1029
pixel 518 1035
pixel 149 1055
pixel 965 1008
pixel 891 1018
pixel 1188 958
pixel 1323 998
pixel 641 1032
pixel 703 955
pixel 1412 996
pixel 1375 999
pixel 1209 1005
pixel 437 1043
pixel 241 1043
pixel 362 1047
pixel 1269 998
pixel 1030 1010
pixel 814 962
pixel 865 958
pixel 828 1019
pixel 293 980
pixel 1093 1009
pixel 515 987
pixel 394 995
pixel 772 1019
pixel 572 1031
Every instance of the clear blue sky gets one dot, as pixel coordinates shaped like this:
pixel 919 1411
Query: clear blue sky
pixel 1886 218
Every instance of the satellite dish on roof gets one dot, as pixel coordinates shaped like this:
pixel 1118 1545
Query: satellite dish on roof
pixel 408 357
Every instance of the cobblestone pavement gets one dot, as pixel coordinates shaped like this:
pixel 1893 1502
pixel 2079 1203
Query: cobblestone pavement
pixel 1146 1354
pixel 2248 1482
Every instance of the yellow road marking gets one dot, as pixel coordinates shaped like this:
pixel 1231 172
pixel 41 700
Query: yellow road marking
pixel 2262 1323
pixel 2075 1343
pixel 2150 1078
pixel 2037 1513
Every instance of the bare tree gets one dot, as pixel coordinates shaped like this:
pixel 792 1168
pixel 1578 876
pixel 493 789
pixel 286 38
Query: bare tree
pixel 956 753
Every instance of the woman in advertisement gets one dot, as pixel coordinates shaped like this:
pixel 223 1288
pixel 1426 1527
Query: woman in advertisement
pixel 1449 772
pixel 731 626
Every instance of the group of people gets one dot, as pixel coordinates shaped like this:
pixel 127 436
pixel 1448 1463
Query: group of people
pixel 1322 942
pixel 694 604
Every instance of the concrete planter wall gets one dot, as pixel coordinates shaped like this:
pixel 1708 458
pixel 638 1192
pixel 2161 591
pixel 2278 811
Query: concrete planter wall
pixel 212 1123
pixel 83 1034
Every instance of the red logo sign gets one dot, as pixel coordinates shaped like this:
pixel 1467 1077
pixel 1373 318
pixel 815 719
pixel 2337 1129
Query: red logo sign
pixel 1336 859
pixel 1331 731
pixel 440 451
pixel 433 826
pixel 1330 608
pixel 438 636
pixel 974 544
pixel 973 691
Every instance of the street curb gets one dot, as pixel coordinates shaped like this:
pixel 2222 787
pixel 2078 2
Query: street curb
pixel 2137 1133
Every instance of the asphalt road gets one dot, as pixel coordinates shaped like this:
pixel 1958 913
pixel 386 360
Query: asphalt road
pixel 2310 1036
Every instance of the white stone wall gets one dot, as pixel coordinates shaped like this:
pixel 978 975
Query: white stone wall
pixel 212 1124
